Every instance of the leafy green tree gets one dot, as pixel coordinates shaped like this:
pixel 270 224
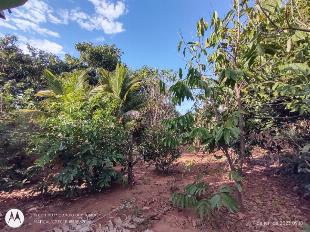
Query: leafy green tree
pixel 243 62
pixel 126 89
pixel 236 75
pixel 100 56
pixel 217 84
pixel 20 79
pixel 158 105
pixel 278 98
pixel 21 73
pixel 281 65
pixel 79 133
pixel 123 86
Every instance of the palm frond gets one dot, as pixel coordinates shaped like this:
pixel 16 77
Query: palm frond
pixel 45 93
pixel 123 86
pixel 97 89
pixel 75 81
pixel 117 82
pixel 81 82
pixel 131 86
pixel 54 83
pixel 104 76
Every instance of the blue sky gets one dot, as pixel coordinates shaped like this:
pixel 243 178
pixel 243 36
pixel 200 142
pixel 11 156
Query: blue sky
pixel 145 30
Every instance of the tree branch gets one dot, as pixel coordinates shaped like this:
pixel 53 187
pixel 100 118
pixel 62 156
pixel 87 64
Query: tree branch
pixel 278 27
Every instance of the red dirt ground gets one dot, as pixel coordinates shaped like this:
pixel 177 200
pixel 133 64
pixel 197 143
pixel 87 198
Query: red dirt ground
pixel 270 204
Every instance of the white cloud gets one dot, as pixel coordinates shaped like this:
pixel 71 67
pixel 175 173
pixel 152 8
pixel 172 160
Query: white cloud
pixel 109 10
pixel 26 25
pixel 7 25
pixel 82 19
pixel 47 45
pixel 31 16
pixel 42 44
pixel 34 11
pixel 41 12
pixel 111 27
pixel 105 17
pixel 57 20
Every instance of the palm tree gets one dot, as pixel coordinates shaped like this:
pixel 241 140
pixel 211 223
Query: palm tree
pixel 59 90
pixel 128 90
pixel 124 87
pixel 59 87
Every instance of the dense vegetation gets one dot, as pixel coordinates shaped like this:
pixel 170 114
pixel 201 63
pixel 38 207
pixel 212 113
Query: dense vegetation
pixel 77 118
pixel 83 123
pixel 250 86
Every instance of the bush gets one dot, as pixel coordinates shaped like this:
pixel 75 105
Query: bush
pixel 160 146
pixel 15 165
pixel 83 141
pixel 298 167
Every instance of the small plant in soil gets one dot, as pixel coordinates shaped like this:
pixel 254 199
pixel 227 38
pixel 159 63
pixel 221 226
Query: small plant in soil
pixel 198 197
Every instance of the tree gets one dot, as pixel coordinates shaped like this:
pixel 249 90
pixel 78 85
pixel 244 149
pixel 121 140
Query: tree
pixel 21 74
pixel 246 72
pixel 219 82
pixel 126 89
pixel 158 105
pixel 278 98
pixel 157 143
pixel 79 133
pixel 123 86
pixel 100 56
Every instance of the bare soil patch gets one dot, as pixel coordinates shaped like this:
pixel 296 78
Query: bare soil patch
pixel 270 203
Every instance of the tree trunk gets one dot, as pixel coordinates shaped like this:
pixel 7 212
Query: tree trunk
pixel 229 159
pixel 238 92
pixel 241 128
pixel 130 171
pixel 239 103
pixel 130 174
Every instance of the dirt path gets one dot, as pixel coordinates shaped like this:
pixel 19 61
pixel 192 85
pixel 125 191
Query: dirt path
pixel 269 200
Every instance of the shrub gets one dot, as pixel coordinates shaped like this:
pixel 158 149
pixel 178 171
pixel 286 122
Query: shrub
pixel 15 165
pixel 83 141
pixel 160 146
pixel 298 167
